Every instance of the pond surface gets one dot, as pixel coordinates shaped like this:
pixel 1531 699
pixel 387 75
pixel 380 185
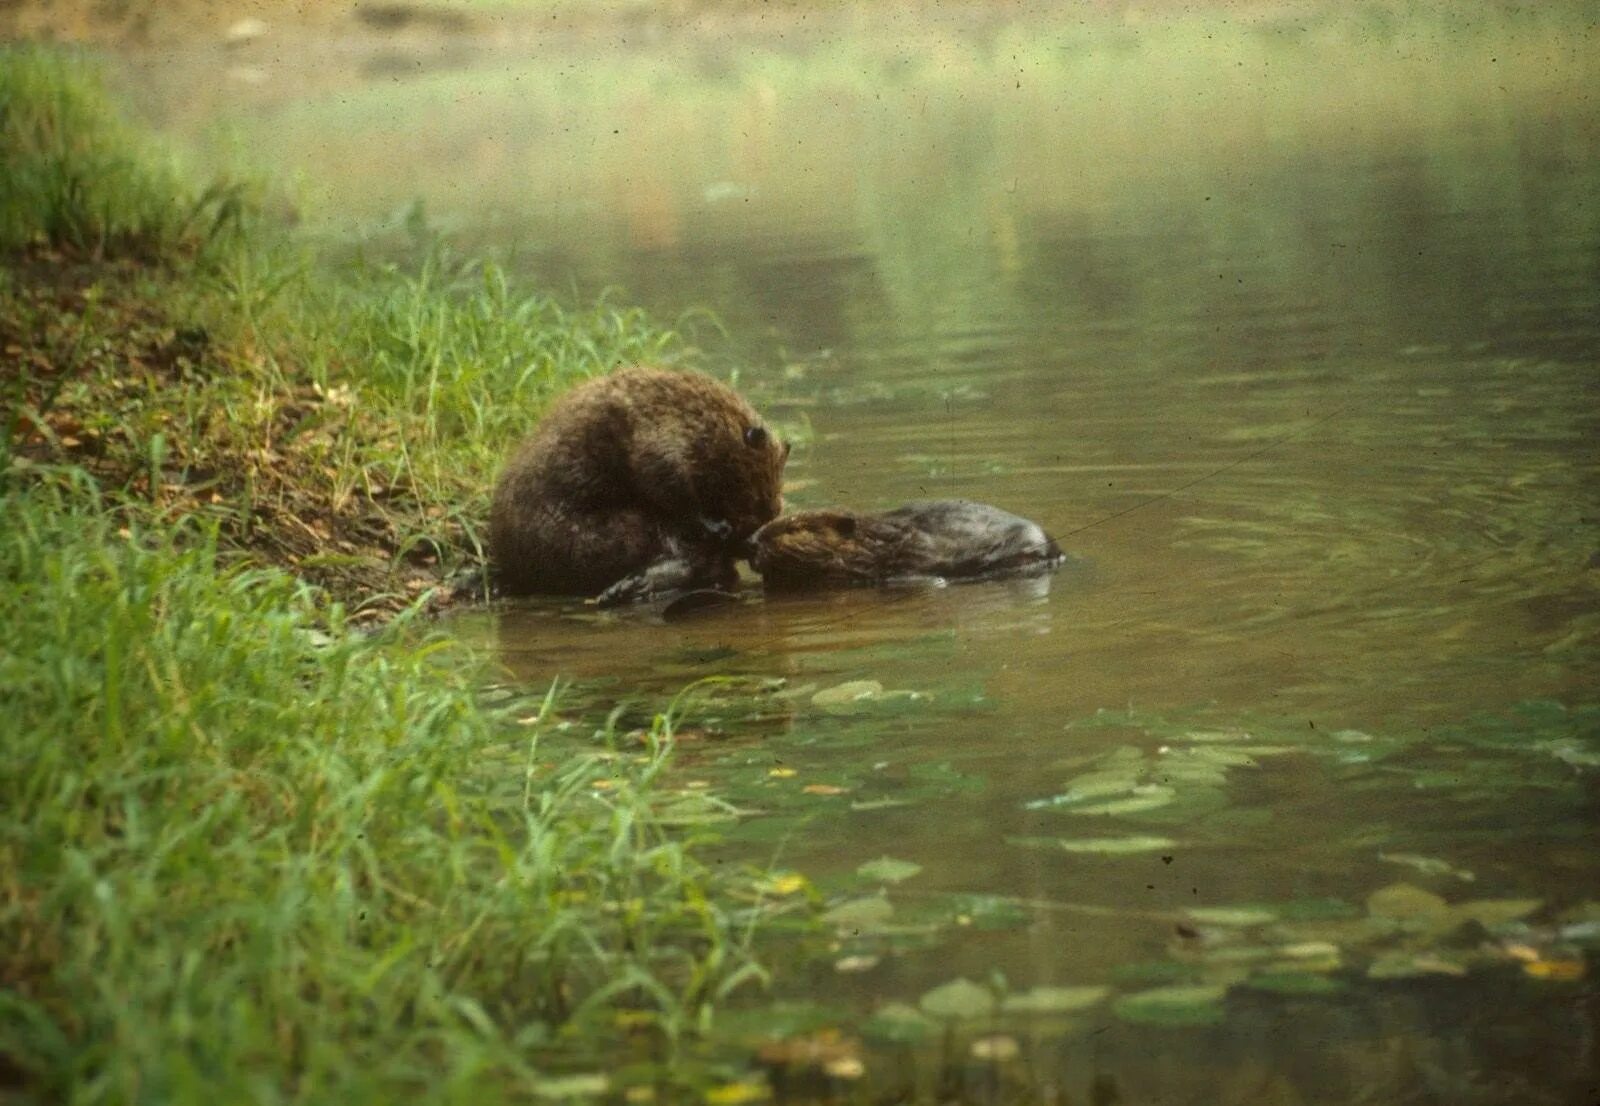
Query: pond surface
pixel 1289 329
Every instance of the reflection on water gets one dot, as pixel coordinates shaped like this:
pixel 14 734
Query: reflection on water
pixel 1291 330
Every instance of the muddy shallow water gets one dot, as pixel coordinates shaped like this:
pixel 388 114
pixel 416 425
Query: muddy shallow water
pixel 1289 330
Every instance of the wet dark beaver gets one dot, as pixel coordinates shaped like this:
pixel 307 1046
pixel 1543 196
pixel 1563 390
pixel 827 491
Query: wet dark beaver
pixel 946 538
pixel 635 483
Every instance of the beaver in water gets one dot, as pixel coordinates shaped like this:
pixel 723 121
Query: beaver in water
pixel 938 539
pixel 635 483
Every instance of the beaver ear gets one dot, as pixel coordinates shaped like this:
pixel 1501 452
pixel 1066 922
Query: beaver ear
pixel 784 459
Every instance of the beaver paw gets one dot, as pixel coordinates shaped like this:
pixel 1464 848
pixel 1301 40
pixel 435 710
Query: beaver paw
pixel 629 589
pixel 667 577
pixel 673 574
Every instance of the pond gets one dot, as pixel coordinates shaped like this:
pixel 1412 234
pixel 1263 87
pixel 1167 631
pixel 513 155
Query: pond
pixel 1286 326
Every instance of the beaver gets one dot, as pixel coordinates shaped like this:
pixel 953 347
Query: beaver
pixel 636 483
pixel 952 539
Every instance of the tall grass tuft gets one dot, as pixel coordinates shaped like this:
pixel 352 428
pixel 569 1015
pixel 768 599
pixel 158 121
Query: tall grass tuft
pixel 247 855
pixel 463 360
pixel 77 175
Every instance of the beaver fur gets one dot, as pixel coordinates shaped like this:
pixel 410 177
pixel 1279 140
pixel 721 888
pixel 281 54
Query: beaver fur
pixel 635 483
pixel 952 539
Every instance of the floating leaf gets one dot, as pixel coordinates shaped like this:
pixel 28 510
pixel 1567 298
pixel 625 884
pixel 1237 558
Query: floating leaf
pixel 1406 965
pixel 695 808
pixel 1316 910
pixel 850 965
pixel 1094 785
pixel 1294 983
pixel 1310 950
pixel 1053 1000
pixel 1145 797
pixel 900 1023
pixel 1493 912
pixel 823 789
pixel 1234 954
pixel 847 698
pixel 1312 966
pixel 1193 773
pixel 1194 801
pixel 1194 1005
pixel 1232 916
pixel 1105 846
pixel 1147 972
pixel 1428 866
pixel 1220 756
pixel 886 869
pixel 960 998
pixel 858 914
pixel 1407 904
pixel 989 911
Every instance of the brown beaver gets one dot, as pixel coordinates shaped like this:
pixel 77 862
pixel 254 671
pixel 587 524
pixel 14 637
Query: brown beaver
pixel 942 538
pixel 635 483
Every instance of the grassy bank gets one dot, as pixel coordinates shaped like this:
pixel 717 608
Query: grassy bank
pixel 177 343
pixel 251 855
pixel 250 851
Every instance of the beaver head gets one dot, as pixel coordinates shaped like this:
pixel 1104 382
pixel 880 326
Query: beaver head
pixel 698 453
pixel 811 548
pixel 739 485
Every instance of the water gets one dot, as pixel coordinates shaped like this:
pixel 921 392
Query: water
pixel 1288 328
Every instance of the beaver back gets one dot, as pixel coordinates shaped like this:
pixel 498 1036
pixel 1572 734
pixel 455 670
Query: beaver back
pixel 947 539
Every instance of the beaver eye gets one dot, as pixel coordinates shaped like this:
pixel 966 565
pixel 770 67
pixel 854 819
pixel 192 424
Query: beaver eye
pixel 755 436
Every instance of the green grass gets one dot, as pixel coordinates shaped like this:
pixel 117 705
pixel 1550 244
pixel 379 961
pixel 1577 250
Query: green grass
pixel 463 361
pixel 77 174
pixel 250 855
pixel 250 851
pixel 344 419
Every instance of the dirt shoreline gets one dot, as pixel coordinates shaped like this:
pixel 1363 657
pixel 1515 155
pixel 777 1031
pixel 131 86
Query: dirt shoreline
pixel 89 396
